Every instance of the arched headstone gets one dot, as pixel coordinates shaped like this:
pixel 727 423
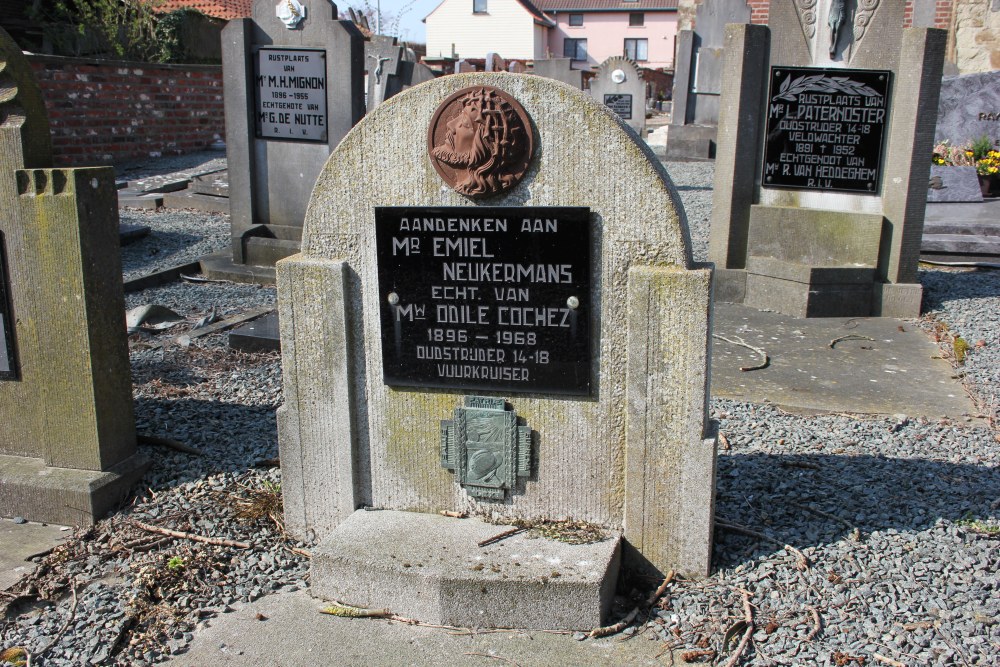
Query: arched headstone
pixel 619 86
pixel 566 304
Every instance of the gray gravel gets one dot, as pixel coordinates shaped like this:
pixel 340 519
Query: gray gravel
pixel 894 515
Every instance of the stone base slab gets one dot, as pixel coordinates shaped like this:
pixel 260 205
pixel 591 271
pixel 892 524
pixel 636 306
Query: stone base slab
pixel 198 201
pixel 686 141
pixel 220 266
pixel 729 285
pixel 799 299
pixel 66 496
pixel 432 568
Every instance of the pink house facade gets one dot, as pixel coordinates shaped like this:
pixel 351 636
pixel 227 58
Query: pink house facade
pixel 591 31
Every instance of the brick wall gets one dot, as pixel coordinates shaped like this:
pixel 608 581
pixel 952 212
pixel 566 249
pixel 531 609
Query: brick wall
pixel 103 112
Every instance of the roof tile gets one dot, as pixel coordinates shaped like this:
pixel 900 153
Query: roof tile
pixel 605 5
pixel 220 9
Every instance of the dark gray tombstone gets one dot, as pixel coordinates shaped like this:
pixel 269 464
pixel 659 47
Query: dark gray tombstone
pixel 619 86
pixel 392 68
pixel 969 108
pixel 698 79
pixel 825 138
pixel 293 88
pixel 559 69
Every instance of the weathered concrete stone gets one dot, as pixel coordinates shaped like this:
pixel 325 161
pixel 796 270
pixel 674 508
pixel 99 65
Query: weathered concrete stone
pixel 67 438
pixel 641 447
pixel 276 175
pixel 560 69
pixel 796 38
pixel 619 86
pixel 430 567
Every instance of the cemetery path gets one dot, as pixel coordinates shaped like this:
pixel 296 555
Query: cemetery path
pixel 897 516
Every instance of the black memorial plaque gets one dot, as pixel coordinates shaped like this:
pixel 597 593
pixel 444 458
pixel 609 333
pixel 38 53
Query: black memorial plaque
pixel 620 104
pixel 826 129
pixel 8 367
pixel 485 298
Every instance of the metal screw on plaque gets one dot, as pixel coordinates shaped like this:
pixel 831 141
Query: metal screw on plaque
pixel 573 302
pixel 393 298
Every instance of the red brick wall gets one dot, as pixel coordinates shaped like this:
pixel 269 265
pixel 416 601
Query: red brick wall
pixel 942 12
pixel 103 112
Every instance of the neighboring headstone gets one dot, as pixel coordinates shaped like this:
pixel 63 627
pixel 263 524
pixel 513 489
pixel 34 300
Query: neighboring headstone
pixel 821 183
pixel 698 79
pixel 619 86
pixel 516 67
pixel 560 69
pixel 293 88
pixel 969 108
pixel 67 433
pixel 494 63
pixel 463 66
pixel 533 349
pixel 391 68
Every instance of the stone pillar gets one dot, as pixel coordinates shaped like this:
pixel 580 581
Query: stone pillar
pixel 737 164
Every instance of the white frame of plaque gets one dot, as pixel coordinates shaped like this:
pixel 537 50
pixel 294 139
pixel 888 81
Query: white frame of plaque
pixel 288 129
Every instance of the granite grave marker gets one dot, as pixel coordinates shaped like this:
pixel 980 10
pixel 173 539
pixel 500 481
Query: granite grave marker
pixel 619 86
pixel 294 78
pixel 823 160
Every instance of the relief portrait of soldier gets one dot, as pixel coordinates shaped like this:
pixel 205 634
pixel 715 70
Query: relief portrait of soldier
pixel 484 142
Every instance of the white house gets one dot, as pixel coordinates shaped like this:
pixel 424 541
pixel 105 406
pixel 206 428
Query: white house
pixel 474 28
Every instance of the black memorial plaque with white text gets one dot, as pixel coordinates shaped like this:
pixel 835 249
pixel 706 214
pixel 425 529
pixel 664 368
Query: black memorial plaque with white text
pixel 826 129
pixel 485 298
pixel 620 103
pixel 8 368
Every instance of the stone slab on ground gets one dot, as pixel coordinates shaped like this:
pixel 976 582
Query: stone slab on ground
pixel 261 335
pixel 954 184
pixel 20 541
pixel 198 201
pixel 295 633
pixel 968 229
pixel 431 568
pixel 896 373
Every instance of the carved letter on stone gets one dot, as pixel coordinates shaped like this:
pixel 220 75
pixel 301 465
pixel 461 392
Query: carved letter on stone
pixel 480 141
pixel 486 448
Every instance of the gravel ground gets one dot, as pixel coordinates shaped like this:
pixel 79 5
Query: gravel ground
pixel 876 539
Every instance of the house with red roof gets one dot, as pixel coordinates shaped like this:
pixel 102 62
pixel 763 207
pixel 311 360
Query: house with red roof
pixel 219 9
pixel 586 31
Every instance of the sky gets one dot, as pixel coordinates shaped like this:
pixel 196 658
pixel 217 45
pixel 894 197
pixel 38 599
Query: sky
pixel 410 12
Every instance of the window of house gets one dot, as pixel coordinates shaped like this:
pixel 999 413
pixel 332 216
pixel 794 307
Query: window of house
pixel 637 49
pixel 576 19
pixel 575 49
pixel 478 6
pixel 636 19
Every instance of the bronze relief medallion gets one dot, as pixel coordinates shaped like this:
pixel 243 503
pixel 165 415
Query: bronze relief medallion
pixel 480 141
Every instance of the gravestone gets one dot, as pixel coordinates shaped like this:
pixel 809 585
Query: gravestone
pixel 463 66
pixel 516 67
pixel 391 68
pixel 969 108
pixel 560 69
pixel 619 86
pixel 294 78
pixel 499 332
pixel 698 79
pixel 494 63
pixel 67 433
pixel 823 161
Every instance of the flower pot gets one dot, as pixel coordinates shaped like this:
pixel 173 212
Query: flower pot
pixel 986 183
